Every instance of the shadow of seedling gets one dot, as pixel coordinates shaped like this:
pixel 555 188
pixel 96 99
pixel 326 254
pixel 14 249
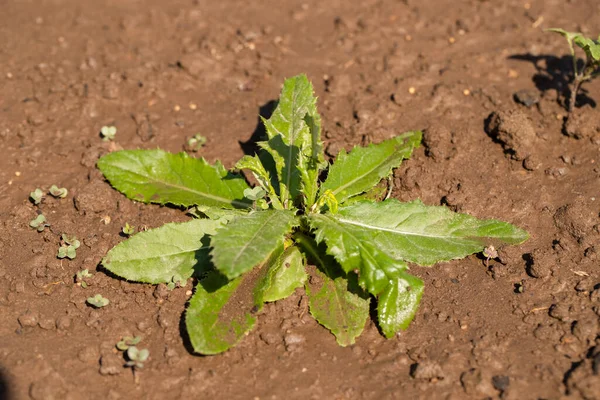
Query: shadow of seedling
pixel 556 73
pixel 5 393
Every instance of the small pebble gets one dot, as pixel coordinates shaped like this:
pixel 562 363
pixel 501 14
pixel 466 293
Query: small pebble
pixel 47 324
pixel 293 338
pixel 28 319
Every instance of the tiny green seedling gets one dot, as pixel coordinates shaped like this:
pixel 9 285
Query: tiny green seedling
pixel 39 223
pixel 36 196
pixel 98 301
pixel 59 193
pixel 195 143
pixel 80 277
pixel 256 195
pixel 327 235
pixel 128 341
pixel 489 252
pixel 108 133
pixel 591 66
pixel 128 230
pixel 176 281
pixel 136 357
pixel 68 247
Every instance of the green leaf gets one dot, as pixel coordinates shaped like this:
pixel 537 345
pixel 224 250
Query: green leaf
pixel 249 240
pixel 254 164
pixel 567 35
pixel 398 303
pixel 364 167
pixel 216 213
pixel 220 312
pixel 281 275
pixel 591 48
pixel 155 176
pixel 294 141
pixel 335 301
pixel 423 234
pixel 356 252
pixel 157 255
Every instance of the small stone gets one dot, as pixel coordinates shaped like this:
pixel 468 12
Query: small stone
pixel 47 324
pixel 531 163
pixel 500 382
pixel 527 97
pixel 28 319
pixel 293 338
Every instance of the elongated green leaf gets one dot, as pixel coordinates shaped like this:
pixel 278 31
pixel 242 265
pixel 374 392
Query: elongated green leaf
pixel 364 167
pixel 220 313
pixel 281 275
pixel 216 213
pixel 356 252
pixel 155 176
pixel 249 240
pixel 398 303
pixel 423 234
pixel 294 140
pixel 158 255
pixel 254 164
pixel 334 301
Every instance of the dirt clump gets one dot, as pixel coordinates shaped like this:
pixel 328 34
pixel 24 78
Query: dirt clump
pixel 514 130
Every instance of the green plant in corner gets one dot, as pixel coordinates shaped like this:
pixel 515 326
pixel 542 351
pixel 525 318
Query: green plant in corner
pixel 68 247
pixel 355 250
pixel 59 193
pixel 36 196
pixel 591 65
pixel 128 230
pixel 98 301
pixel 80 277
pixel 39 223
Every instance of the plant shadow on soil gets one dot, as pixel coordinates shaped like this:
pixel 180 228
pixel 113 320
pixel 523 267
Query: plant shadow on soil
pixel 5 393
pixel 556 73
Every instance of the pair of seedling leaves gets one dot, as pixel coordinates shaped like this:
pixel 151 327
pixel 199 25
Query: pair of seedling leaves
pixel 332 238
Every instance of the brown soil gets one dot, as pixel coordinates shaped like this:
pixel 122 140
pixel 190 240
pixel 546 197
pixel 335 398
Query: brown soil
pixel 527 327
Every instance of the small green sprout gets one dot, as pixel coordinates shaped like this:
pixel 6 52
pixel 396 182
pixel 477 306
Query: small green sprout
pixel 176 281
pixel 489 252
pixel 108 133
pixel 128 230
pixel 98 301
pixel 80 277
pixel 257 195
pixel 136 357
pixel 591 66
pixel 39 223
pixel 36 196
pixel 68 247
pixel 127 341
pixel 196 142
pixel 59 193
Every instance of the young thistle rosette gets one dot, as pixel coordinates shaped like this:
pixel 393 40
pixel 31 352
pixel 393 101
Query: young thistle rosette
pixel 247 249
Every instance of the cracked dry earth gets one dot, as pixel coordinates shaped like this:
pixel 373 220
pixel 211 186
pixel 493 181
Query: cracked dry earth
pixel 482 79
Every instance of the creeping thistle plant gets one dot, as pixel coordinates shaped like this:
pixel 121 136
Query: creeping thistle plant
pixel 294 229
